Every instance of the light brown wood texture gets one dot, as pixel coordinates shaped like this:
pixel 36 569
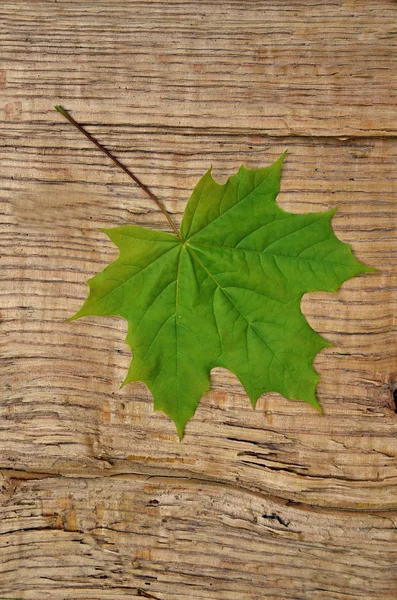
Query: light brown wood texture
pixel 99 500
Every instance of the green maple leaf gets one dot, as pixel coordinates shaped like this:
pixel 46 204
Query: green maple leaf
pixel 226 293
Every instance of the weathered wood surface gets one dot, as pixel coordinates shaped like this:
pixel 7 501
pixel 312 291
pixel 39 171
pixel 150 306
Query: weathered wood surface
pixel 99 500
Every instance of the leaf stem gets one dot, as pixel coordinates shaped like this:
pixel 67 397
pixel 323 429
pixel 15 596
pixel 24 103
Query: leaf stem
pixel 63 112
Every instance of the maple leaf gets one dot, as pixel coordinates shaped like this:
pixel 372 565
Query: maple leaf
pixel 226 293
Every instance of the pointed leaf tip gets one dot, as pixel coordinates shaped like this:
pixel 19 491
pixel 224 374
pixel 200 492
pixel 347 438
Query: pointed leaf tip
pixel 283 156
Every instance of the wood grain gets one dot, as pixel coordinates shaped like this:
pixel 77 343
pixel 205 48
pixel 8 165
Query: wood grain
pixel 99 500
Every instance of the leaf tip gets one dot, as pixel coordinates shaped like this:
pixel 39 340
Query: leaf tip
pixel 280 161
pixel 278 164
pixel 124 382
pixel 368 269
pixel 253 399
pixel 333 211
pixel 105 230
pixel 80 313
pixel 72 318
pixel 318 407
pixel 314 402
pixel 180 428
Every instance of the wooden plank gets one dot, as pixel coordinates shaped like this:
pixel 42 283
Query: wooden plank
pixel 298 68
pixel 99 499
pixel 186 539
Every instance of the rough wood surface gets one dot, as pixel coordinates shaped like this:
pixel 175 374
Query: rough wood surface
pixel 99 500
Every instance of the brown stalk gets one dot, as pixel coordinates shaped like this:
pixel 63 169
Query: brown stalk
pixel 63 112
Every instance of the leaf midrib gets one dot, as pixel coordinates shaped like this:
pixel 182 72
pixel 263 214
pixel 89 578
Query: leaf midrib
pixel 263 252
pixel 176 330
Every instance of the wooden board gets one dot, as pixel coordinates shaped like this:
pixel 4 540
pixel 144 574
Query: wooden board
pixel 99 499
